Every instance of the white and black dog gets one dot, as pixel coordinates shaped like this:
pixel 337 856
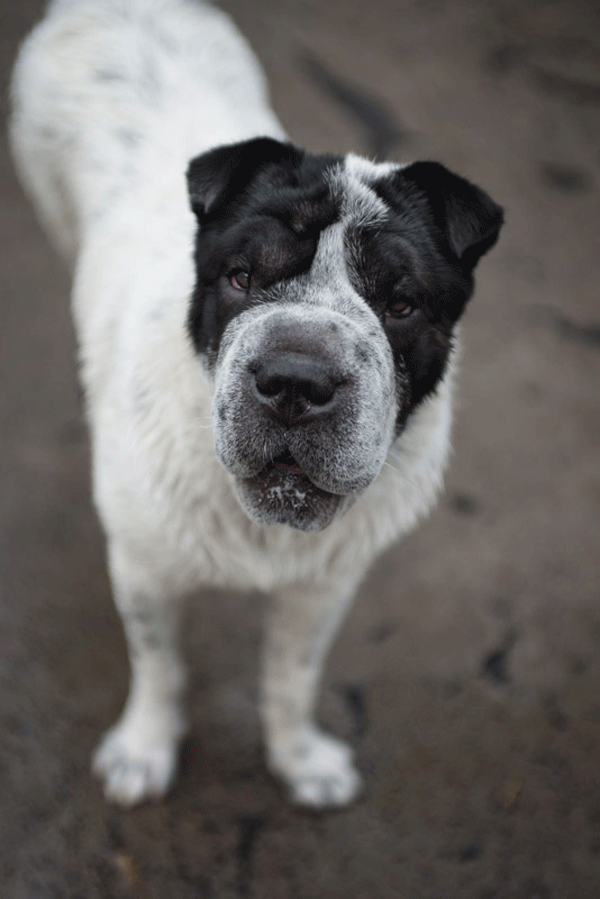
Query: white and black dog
pixel 266 350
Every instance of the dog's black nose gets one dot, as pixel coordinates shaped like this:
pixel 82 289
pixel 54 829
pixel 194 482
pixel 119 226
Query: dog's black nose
pixel 295 387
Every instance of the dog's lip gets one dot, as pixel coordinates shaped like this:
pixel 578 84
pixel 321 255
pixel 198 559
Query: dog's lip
pixel 286 467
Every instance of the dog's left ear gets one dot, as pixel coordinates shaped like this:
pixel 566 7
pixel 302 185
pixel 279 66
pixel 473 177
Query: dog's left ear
pixel 217 177
pixel 467 216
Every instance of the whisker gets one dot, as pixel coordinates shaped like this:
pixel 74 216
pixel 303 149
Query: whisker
pixel 395 457
pixel 400 470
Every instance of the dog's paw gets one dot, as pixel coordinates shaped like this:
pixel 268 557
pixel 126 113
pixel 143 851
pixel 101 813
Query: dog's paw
pixel 134 766
pixel 318 771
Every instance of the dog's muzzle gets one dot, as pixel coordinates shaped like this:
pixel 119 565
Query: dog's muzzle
pixel 303 419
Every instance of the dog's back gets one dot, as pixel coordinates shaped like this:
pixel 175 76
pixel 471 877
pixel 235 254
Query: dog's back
pixel 102 93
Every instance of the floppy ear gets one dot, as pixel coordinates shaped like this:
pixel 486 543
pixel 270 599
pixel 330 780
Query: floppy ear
pixel 216 177
pixel 465 214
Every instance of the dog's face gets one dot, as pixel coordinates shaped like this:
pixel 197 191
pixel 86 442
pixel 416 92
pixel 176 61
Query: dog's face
pixel 327 293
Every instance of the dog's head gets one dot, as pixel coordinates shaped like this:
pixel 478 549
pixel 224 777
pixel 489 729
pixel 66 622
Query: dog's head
pixel 327 292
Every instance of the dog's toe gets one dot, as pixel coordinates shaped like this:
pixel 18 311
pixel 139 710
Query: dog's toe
pixel 320 772
pixel 328 789
pixel 133 770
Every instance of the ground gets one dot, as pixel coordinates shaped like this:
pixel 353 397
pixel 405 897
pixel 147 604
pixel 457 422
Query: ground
pixel 467 674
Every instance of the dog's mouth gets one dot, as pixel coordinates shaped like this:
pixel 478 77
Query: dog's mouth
pixel 284 479
pixel 284 463
pixel 283 493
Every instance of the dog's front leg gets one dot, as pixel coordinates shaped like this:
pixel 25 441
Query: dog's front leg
pixel 137 758
pixel 303 621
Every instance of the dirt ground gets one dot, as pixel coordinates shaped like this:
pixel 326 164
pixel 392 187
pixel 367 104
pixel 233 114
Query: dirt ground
pixel 467 676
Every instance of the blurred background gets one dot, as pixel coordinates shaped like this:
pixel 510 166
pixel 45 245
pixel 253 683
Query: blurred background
pixel 467 675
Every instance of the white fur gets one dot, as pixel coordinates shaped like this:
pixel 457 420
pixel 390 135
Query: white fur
pixel 103 159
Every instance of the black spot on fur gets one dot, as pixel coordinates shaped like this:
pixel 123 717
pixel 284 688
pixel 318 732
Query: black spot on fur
pixel 149 80
pixel 128 136
pixel 363 351
pixel 109 75
pixel 144 628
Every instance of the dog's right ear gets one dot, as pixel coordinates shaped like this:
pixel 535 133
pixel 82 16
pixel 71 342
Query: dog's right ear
pixel 468 218
pixel 217 177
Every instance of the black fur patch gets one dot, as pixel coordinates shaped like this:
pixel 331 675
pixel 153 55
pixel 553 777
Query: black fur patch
pixel 440 225
pixel 261 206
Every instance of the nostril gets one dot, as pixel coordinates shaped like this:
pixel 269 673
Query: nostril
pixel 319 393
pixel 269 386
pixel 294 386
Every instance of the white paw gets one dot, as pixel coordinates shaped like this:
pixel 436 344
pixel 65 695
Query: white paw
pixel 135 764
pixel 318 771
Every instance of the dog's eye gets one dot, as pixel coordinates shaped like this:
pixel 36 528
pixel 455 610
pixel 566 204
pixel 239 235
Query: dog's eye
pixel 240 280
pixel 398 309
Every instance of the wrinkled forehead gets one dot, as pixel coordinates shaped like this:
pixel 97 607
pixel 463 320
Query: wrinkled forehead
pixel 352 185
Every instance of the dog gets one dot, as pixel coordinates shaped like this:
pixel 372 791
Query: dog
pixel 267 343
